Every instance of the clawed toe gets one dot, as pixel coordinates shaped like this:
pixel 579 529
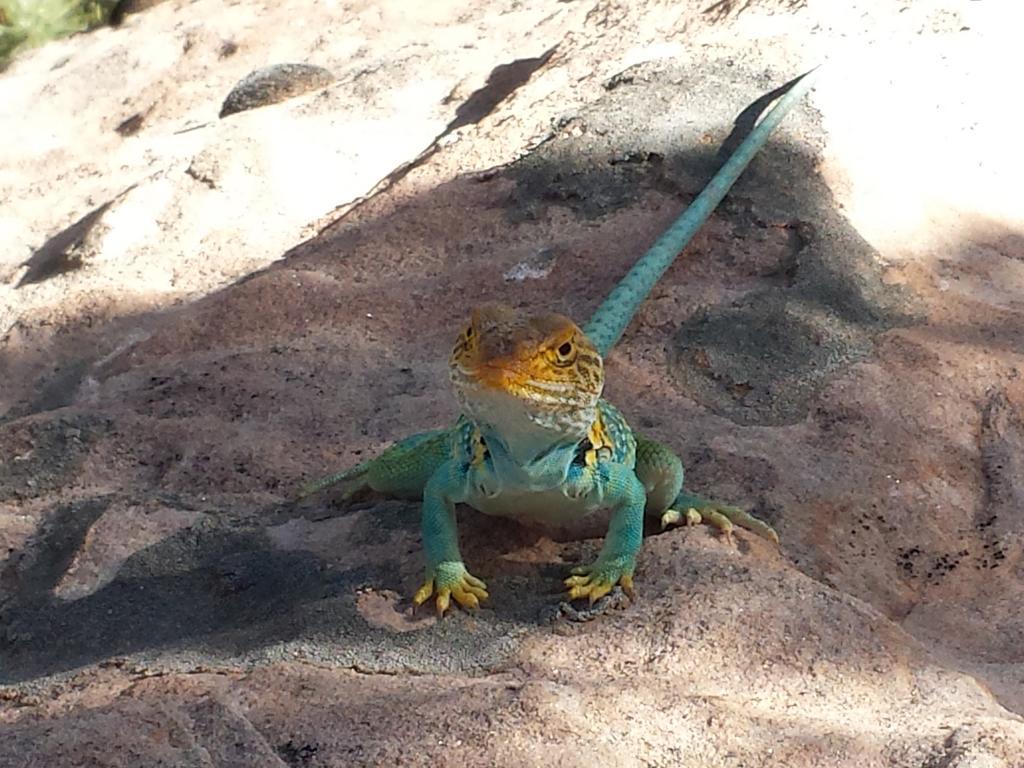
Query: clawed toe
pixel 674 517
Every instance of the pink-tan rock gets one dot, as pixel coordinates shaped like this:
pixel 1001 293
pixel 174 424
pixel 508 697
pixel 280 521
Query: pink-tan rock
pixel 272 296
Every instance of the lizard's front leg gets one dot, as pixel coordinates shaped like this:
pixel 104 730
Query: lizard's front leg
pixel 447 576
pixel 617 485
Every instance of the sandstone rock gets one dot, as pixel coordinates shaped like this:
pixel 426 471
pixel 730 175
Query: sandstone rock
pixel 840 349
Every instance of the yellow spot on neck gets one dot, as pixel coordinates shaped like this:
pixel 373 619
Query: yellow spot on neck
pixel 599 441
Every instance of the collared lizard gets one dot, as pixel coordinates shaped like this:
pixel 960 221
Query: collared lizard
pixel 536 442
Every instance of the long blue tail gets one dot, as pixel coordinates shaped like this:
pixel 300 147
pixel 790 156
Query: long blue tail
pixel 611 318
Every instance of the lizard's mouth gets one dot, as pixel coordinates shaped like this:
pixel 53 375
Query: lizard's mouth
pixel 520 383
pixel 531 413
pixel 513 401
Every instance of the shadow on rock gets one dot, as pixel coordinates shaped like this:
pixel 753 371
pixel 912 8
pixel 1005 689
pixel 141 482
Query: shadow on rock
pixel 218 592
pixel 203 592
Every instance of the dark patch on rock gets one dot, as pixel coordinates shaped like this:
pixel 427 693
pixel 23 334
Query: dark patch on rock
pixel 127 7
pixel 274 84
pixel 644 134
pixel 297 754
pixel 56 391
pixel 204 169
pixel 1002 456
pixel 582 173
pixel 998 520
pixel 721 10
pixel 37 569
pixel 61 252
pixel 504 80
pixel 388 516
pixel 759 362
pixel 130 125
pixel 41 456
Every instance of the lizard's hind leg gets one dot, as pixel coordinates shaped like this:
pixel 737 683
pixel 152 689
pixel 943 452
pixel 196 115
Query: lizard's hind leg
pixel 724 517
pixel 401 471
pixel 661 472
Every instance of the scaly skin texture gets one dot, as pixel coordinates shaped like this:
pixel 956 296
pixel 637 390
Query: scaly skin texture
pixel 537 443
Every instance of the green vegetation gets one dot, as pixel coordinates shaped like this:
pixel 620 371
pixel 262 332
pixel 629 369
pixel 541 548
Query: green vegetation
pixel 28 23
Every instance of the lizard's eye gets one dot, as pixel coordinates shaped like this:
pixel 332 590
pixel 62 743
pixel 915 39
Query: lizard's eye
pixel 469 332
pixel 564 354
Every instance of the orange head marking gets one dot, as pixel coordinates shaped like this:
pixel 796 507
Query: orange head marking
pixel 545 365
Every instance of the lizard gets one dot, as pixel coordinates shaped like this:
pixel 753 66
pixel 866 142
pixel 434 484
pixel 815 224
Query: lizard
pixel 535 440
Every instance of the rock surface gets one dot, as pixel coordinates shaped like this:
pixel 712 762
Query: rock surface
pixel 218 310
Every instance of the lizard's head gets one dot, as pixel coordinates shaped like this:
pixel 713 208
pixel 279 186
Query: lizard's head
pixel 507 366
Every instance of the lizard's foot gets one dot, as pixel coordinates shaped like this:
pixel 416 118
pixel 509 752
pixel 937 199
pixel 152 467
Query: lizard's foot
pixel 448 580
pixel 722 516
pixel 596 580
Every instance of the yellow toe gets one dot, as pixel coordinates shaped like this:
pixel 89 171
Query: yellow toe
pixel 670 517
pixel 423 593
pixel 674 517
pixel 443 601
pixel 599 590
pixel 475 583
pixel 465 598
pixel 578 592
